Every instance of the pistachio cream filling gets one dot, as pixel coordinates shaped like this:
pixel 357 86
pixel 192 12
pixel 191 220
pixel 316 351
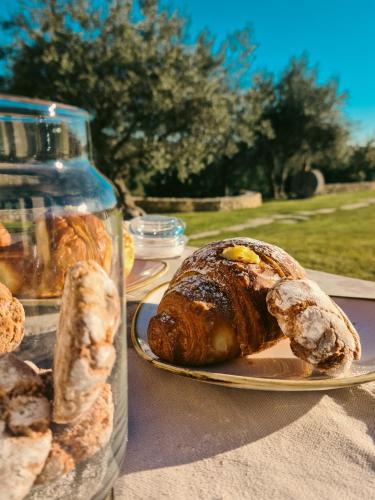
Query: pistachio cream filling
pixel 241 253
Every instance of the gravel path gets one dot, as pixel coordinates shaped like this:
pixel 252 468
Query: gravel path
pixel 292 218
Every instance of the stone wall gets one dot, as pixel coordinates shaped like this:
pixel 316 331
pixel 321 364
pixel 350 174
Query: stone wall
pixel 347 187
pixel 150 204
pixel 250 199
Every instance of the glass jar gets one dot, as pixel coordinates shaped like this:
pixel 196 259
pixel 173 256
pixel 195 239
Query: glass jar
pixel 158 236
pixel 57 209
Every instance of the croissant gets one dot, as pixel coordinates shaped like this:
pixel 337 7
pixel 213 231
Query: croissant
pixel 62 241
pixel 38 269
pixel 20 269
pixel 215 306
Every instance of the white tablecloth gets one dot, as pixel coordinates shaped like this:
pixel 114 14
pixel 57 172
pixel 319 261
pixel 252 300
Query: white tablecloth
pixel 189 440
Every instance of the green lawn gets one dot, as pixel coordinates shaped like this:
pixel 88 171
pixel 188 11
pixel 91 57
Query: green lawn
pixel 341 243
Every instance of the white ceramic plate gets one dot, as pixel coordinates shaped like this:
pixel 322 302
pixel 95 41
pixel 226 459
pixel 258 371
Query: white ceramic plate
pixel 275 369
pixel 144 272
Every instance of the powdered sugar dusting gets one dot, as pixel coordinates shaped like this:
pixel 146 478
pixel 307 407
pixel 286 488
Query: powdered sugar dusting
pixel 320 332
pixel 294 292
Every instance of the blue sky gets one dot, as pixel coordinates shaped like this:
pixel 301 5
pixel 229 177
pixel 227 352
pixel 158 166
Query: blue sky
pixel 339 35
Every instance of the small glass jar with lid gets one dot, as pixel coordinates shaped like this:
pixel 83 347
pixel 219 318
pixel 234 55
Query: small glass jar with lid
pixel 158 236
pixel 56 211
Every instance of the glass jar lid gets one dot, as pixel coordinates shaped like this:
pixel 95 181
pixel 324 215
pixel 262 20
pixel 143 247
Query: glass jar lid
pixel 156 226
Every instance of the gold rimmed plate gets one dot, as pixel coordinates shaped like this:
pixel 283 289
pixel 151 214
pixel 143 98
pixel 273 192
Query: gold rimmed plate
pixel 144 272
pixel 275 369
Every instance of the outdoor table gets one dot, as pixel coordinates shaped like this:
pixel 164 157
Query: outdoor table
pixel 192 440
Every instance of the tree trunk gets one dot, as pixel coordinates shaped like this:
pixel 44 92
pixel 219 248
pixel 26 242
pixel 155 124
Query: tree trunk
pixel 223 178
pixel 130 209
pixel 279 179
pixel 272 187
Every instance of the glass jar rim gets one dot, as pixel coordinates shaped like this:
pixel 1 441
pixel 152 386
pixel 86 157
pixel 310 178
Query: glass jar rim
pixel 20 105
pixel 156 226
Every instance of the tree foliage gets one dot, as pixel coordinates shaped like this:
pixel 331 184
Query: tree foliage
pixel 296 124
pixel 359 165
pixel 300 123
pixel 157 102
pixel 172 117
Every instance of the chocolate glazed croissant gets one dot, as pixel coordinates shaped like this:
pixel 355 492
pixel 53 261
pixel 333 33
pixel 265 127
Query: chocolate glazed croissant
pixel 215 306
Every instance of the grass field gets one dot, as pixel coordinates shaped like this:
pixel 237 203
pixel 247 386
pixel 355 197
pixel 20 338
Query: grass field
pixel 341 243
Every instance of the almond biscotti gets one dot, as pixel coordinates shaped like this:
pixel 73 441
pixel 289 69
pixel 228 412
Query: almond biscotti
pixel 76 442
pixel 12 320
pixel 21 460
pixel 84 353
pixel 25 437
pixel 319 331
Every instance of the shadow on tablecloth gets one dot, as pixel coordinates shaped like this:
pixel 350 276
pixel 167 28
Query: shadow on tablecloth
pixel 173 420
